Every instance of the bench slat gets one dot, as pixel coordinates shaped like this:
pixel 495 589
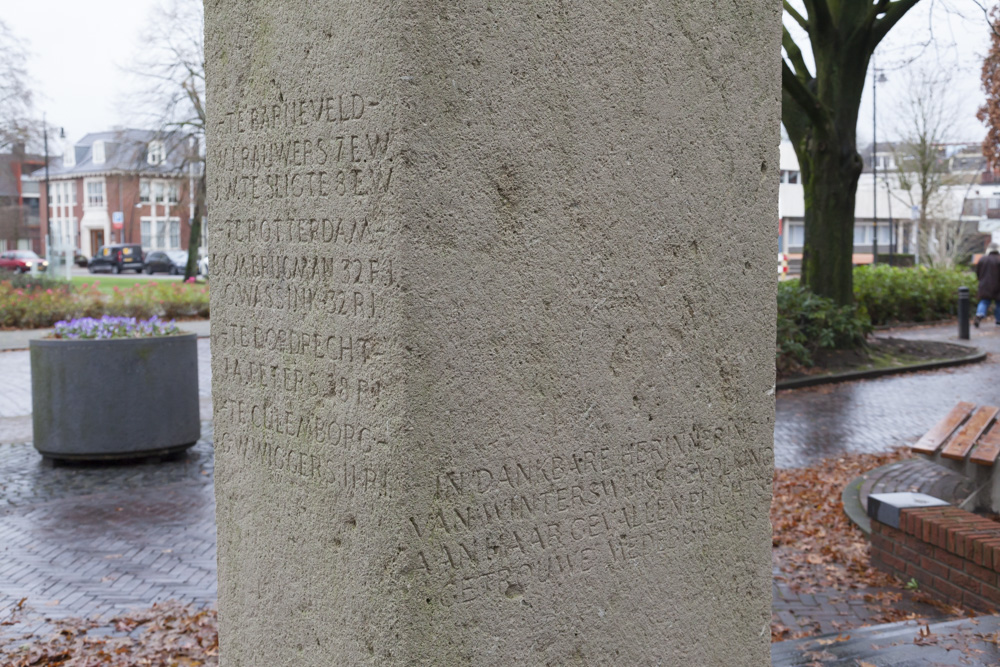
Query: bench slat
pixel 936 437
pixel 986 452
pixel 966 438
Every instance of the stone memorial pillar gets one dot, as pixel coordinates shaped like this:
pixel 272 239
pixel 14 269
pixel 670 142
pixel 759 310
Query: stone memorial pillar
pixel 493 310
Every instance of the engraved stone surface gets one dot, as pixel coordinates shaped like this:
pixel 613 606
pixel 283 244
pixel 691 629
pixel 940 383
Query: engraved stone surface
pixel 493 308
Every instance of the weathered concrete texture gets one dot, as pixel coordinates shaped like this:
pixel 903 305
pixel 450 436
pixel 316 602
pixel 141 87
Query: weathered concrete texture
pixel 493 326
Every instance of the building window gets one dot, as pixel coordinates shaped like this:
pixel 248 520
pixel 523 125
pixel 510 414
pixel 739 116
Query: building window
pixel 161 234
pixel 3 245
pixel 159 192
pixel 796 235
pixel 155 153
pixel 883 236
pixel 98 152
pixel 863 235
pixel 144 230
pixel 175 233
pixel 95 193
pixel 24 244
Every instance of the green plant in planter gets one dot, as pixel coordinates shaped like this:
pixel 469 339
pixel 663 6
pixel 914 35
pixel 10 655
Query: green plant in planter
pixel 114 388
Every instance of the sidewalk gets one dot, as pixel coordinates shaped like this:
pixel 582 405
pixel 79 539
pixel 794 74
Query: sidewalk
pixel 878 415
pixel 872 416
pixel 89 538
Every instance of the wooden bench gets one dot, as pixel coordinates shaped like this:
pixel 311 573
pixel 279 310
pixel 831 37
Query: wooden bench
pixel 967 432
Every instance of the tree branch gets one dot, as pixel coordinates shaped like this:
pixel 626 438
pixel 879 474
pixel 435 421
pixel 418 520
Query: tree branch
pixel 893 12
pixel 801 20
pixel 802 96
pixel 819 15
pixel 795 55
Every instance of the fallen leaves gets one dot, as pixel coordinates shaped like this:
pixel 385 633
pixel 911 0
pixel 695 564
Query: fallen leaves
pixel 14 614
pixel 816 549
pixel 168 634
pixel 807 515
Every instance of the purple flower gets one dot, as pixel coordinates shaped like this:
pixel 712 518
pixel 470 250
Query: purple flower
pixel 113 327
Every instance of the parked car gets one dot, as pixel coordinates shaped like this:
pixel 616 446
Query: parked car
pixel 166 261
pixel 21 261
pixel 80 259
pixel 203 267
pixel 117 258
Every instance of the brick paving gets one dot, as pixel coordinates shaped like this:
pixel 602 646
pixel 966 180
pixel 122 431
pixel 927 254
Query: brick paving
pixel 86 539
pixel 878 415
pixel 97 539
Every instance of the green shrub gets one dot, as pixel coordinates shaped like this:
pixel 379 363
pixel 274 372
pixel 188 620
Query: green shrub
pixel 920 294
pixel 27 282
pixel 169 300
pixel 39 305
pixel 34 308
pixel 807 322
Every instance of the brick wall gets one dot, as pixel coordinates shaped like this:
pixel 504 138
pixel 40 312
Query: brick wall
pixel 953 554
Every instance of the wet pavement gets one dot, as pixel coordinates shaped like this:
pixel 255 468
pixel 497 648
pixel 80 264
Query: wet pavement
pixel 81 540
pixel 880 414
pixel 85 539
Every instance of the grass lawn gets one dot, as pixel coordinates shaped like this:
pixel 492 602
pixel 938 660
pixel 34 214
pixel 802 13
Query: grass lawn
pixel 107 281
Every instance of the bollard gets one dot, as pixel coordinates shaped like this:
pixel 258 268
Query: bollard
pixel 963 313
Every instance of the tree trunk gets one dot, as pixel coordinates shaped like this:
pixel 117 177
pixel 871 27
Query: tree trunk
pixel 830 189
pixel 194 238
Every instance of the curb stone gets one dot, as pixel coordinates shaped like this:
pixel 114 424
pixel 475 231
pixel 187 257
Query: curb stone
pixel 975 357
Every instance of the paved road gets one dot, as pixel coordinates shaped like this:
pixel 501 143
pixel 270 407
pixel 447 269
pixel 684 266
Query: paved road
pixel 98 538
pixel 877 415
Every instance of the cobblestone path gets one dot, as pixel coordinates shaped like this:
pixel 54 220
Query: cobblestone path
pixel 84 539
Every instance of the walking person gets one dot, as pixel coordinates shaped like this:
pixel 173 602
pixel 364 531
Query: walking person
pixel 988 272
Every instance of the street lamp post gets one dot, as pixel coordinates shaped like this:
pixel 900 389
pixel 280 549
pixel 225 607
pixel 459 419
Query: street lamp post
pixel 877 78
pixel 874 164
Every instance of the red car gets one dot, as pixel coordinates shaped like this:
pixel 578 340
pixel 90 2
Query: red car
pixel 21 261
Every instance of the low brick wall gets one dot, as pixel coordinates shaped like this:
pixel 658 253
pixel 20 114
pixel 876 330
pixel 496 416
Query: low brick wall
pixel 953 554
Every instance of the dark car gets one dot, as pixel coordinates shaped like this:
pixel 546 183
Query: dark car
pixel 117 258
pixel 80 259
pixel 21 261
pixel 166 261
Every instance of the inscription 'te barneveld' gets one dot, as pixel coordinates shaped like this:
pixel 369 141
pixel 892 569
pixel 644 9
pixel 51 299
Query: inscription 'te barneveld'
pixel 328 149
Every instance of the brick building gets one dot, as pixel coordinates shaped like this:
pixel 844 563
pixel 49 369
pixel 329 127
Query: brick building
pixel 20 223
pixel 123 186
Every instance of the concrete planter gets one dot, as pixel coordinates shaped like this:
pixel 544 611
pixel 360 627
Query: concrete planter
pixel 110 399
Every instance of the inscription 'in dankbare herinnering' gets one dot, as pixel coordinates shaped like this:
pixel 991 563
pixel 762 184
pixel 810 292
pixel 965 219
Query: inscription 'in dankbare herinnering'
pixel 500 527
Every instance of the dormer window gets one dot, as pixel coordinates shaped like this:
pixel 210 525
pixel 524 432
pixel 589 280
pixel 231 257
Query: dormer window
pixel 98 152
pixel 69 157
pixel 155 153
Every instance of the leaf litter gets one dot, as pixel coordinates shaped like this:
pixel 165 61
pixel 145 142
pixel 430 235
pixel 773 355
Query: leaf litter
pixel 816 549
pixel 168 634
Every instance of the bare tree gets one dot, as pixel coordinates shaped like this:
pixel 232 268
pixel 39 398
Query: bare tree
pixel 16 123
pixel 925 120
pixel 172 66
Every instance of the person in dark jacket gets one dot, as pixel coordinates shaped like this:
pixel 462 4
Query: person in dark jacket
pixel 988 272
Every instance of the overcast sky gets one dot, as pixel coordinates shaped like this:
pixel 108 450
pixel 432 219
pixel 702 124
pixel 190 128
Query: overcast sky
pixel 79 47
